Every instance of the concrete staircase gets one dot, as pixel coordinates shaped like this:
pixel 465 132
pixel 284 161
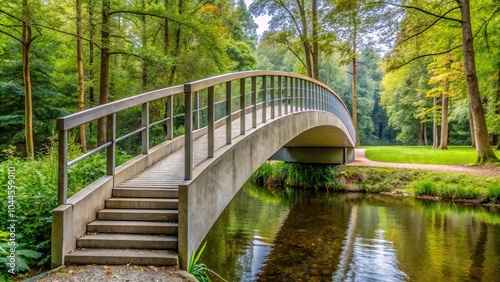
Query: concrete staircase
pixel 138 226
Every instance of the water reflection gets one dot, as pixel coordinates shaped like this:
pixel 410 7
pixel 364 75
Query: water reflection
pixel 367 259
pixel 353 237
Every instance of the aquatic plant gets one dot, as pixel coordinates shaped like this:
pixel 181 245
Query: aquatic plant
pixel 200 271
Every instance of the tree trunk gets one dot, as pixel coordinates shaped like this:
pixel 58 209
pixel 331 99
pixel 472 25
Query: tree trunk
pixel 305 38
pixel 497 106
pixel 426 142
pixel 315 52
pixel 421 134
pixel 28 95
pixel 91 57
pixel 104 79
pixel 435 135
pixel 354 90
pixel 484 150
pixel 471 127
pixel 81 77
pixel 144 45
pixel 444 123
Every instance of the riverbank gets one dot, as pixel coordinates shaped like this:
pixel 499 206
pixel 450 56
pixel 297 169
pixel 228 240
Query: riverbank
pixel 436 182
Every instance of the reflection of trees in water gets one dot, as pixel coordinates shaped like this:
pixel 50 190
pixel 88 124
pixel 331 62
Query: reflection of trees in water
pixel 229 250
pixel 308 245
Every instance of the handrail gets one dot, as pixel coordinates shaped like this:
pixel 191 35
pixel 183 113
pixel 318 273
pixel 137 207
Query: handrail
pixel 294 93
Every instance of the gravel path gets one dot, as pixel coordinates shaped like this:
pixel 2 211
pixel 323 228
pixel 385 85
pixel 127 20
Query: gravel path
pixel 116 273
pixel 361 160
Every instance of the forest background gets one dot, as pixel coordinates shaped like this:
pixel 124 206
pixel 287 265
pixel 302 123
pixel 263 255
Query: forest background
pixel 402 67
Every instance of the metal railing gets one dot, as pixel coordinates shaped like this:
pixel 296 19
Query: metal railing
pixel 284 93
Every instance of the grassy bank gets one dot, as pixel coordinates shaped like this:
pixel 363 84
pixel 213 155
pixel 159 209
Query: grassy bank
pixel 437 185
pixel 455 155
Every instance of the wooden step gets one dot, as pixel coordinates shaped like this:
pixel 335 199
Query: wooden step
pixel 128 241
pixel 137 215
pixel 141 203
pixel 131 192
pixel 116 256
pixel 131 227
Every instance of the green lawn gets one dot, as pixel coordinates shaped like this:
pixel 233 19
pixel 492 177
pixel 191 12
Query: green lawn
pixel 455 155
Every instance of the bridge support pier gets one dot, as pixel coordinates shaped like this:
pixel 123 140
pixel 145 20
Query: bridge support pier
pixel 318 155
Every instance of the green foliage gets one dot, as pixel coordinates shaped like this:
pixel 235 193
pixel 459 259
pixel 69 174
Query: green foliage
pixel 23 257
pixel 426 188
pixel 36 195
pixel 493 191
pixel 281 175
pixel 199 270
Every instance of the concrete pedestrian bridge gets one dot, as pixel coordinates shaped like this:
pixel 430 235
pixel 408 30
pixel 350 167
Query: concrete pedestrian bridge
pixel 157 208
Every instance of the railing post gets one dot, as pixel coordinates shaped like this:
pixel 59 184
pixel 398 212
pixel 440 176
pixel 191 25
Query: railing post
pixel 303 85
pixel 211 121
pixel 273 104
pixel 286 94
pixel 280 102
pixel 110 151
pixel 242 106
pixel 264 98
pixel 62 183
pixel 292 94
pixel 254 102
pixel 196 110
pixel 228 112
pixel 170 121
pixel 301 95
pixel 188 132
pixel 145 125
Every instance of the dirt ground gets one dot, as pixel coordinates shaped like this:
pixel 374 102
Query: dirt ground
pixel 116 273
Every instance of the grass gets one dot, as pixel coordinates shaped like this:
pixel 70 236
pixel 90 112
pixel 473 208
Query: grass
pixel 455 155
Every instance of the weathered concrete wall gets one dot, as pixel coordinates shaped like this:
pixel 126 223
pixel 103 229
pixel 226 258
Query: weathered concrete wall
pixel 217 180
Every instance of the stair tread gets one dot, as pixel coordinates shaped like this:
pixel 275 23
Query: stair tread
pixel 127 237
pixel 168 200
pixel 123 256
pixel 132 223
pixel 133 188
pixel 138 211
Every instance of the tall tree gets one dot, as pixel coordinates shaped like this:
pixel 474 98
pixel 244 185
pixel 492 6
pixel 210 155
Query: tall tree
pixel 81 75
pixel 484 150
pixel 439 12
pixel 297 21
pixel 26 37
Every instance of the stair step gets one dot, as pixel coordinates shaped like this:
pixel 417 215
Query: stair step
pixel 137 214
pixel 128 241
pixel 114 256
pixel 139 227
pixel 131 192
pixel 141 203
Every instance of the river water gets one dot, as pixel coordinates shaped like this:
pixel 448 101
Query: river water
pixel 352 237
